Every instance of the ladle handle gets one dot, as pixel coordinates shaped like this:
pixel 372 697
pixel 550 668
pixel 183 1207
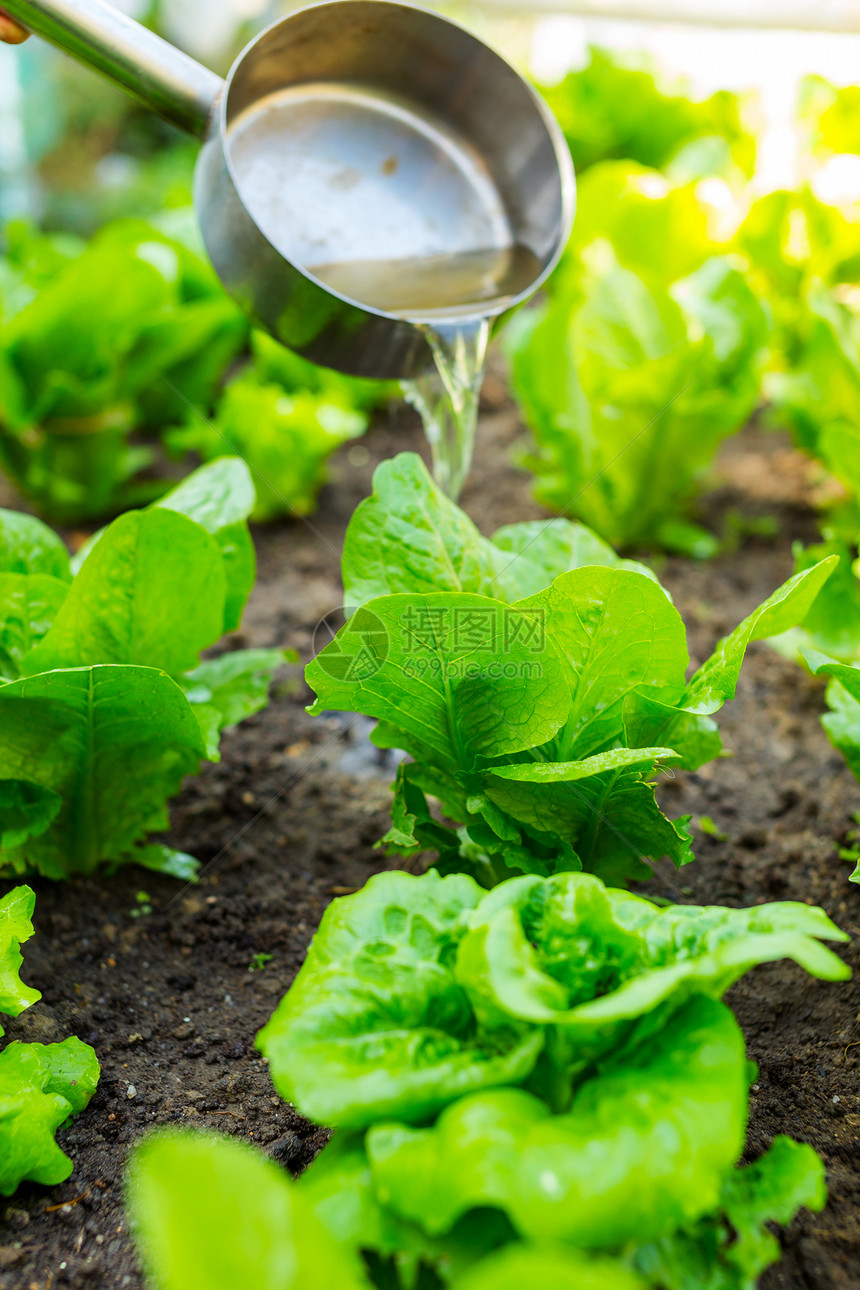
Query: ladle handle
pixel 156 73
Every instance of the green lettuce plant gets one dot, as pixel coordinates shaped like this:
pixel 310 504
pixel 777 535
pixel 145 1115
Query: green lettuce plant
pixel 609 108
pixel 548 1062
pixel 536 714
pixel 105 705
pixel 213 1212
pixel 285 417
pixel 629 385
pixel 42 1086
pixel 829 116
pixel 83 363
pixel 418 991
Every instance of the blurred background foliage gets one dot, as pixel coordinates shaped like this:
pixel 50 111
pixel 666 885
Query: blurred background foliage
pixel 696 291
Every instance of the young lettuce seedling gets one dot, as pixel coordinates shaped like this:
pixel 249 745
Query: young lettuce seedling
pixel 106 705
pixel 536 714
pixel 41 1085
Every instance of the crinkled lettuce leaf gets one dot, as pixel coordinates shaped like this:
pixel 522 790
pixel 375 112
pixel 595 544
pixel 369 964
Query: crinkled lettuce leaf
pixel 603 968
pixel 659 1128
pixel 16 926
pixel 416 991
pixel 463 676
pixel 539 725
pixel 41 1087
pixel 728 1250
pixel 375 1019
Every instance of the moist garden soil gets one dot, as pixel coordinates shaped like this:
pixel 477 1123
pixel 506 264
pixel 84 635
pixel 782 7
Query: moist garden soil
pixel 170 982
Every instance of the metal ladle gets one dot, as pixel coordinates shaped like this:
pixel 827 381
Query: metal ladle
pixel 368 168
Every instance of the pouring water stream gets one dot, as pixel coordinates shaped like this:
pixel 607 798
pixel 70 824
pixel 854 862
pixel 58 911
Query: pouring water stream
pixel 461 290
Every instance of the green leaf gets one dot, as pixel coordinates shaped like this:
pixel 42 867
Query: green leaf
pixel 462 675
pixel 209 721
pixel 611 820
pixel 832 625
pixel 114 743
pixel 375 1023
pixel 240 570
pixel 29 546
pixel 618 632
pixel 28 606
pixel 547 548
pixel 16 925
pixel 567 772
pixel 285 439
pixel 339 1188
pixel 151 593
pixel 628 383
pixel 237 684
pixel 215 1214
pixel 715 681
pixel 413 828
pixel 409 537
pixel 659 1127
pixel 656 228
pixel 847 676
pixel 551 1268
pixel 842 722
pixel 26 811
pixel 728 1250
pixel 162 859
pixel 72 345
pixel 616 106
pixel 595 964
pixel 217 495
pixel 41 1086
pixel 695 738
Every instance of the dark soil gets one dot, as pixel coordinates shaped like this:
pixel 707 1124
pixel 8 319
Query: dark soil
pixel 289 818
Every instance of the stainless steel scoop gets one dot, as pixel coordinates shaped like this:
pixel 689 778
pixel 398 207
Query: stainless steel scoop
pixel 367 167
